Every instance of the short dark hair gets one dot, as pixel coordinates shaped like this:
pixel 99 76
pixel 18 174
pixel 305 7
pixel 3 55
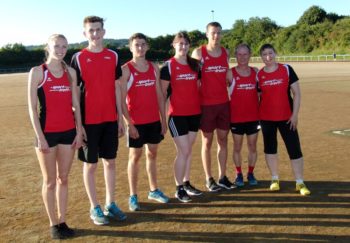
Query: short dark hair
pixel 138 36
pixel 214 24
pixel 266 46
pixel 93 19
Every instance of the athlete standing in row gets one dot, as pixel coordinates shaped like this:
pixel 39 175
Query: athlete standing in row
pixel 244 104
pixel 215 104
pixel 181 75
pixel 279 110
pixel 58 129
pixel 98 70
pixel 144 112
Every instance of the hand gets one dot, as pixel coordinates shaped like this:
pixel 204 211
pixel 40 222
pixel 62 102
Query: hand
pixel 133 132
pixel 293 122
pixel 78 141
pixel 121 128
pixel 43 146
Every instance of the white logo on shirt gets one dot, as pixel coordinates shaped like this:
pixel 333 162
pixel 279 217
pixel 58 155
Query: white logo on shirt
pixel 49 79
pixel 107 57
pixel 272 82
pixel 88 60
pixel 145 83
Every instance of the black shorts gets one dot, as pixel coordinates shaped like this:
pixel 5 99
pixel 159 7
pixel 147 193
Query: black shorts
pixel 102 142
pixel 182 125
pixel 290 138
pixel 148 133
pixel 248 128
pixel 55 138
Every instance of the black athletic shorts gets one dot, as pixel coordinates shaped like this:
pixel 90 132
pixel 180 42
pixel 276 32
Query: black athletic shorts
pixel 248 128
pixel 290 138
pixel 148 133
pixel 55 138
pixel 181 125
pixel 102 142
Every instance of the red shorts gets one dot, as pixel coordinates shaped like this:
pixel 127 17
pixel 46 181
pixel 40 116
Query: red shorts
pixel 215 116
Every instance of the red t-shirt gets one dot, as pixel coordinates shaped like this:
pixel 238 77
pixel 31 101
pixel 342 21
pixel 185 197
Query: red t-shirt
pixel 97 73
pixel 276 103
pixel 55 99
pixel 184 98
pixel 142 95
pixel 244 97
pixel 213 87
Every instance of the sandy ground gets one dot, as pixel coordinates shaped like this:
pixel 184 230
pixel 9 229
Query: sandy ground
pixel 252 213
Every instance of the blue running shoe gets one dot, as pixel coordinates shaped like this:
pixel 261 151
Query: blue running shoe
pixel 97 216
pixel 251 179
pixel 239 180
pixel 158 196
pixel 133 203
pixel 113 211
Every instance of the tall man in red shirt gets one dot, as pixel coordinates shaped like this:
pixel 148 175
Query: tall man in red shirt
pixel 215 104
pixel 98 70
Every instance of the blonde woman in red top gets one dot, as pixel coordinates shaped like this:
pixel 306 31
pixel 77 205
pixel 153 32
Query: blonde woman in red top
pixel 58 129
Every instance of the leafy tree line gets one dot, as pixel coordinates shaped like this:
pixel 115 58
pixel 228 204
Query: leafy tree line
pixel 316 32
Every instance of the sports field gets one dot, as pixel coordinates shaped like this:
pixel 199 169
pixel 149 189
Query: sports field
pixel 252 213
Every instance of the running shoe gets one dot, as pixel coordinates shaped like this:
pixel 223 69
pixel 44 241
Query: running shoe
pixel 226 184
pixel 275 185
pixel 239 180
pixel 113 211
pixel 158 196
pixel 191 190
pixel 97 216
pixel 251 179
pixel 301 187
pixel 133 203
pixel 65 230
pixel 182 195
pixel 212 186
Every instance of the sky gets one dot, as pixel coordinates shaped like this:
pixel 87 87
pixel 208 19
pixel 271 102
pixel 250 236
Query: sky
pixel 31 22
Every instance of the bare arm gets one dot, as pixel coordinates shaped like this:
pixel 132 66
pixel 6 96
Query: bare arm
pixel 121 128
pixel 161 99
pixel 197 54
pixel 123 81
pixel 78 141
pixel 293 120
pixel 34 78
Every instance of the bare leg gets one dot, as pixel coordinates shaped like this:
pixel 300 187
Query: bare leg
pixel 109 174
pixel 151 165
pixel 298 168
pixel 89 182
pixel 237 148
pixel 222 151
pixel 65 155
pixel 183 149
pixel 207 141
pixel 47 163
pixel 133 169
pixel 191 139
pixel 272 163
pixel 252 153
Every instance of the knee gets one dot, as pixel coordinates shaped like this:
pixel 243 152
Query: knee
pixel 222 141
pixel 152 154
pixel 62 180
pixel 252 147
pixel 110 164
pixel 49 184
pixel 90 168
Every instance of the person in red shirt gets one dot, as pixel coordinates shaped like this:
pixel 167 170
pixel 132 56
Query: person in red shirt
pixel 215 104
pixel 58 130
pixel 244 105
pixel 98 70
pixel 279 110
pixel 181 75
pixel 144 112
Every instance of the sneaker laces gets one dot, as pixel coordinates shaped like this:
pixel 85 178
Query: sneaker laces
pixel 98 211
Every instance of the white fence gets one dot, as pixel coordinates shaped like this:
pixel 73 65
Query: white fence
pixel 318 58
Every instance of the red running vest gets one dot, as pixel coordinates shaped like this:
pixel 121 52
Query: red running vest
pixel 55 100
pixel 213 88
pixel 142 98
pixel 244 101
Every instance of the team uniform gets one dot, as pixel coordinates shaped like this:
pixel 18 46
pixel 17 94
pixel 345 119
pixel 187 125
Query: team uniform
pixel 213 92
pixel 56 115
pixel 143 106
pixel 244 103
pixel 184 109
pixel 276 107
pixel 97 73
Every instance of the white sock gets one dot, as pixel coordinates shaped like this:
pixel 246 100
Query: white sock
pixel 275 177
pixel 299 181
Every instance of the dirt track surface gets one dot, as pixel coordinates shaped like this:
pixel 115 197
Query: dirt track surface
pixel 252 213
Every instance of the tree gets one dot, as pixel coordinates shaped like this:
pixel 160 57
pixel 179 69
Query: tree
pixel 313 15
